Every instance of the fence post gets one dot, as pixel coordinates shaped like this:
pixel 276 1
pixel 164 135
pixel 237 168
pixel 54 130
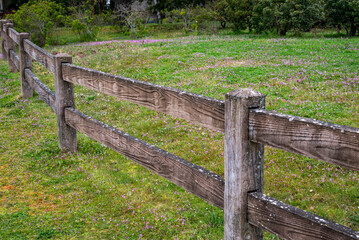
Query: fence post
pixel 25 62
pixel 3 38
pixel 243 164
pixel 64 98
pixel 10 45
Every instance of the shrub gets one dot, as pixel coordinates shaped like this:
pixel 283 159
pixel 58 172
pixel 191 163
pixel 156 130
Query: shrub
pixel 82 20
pixel 39 18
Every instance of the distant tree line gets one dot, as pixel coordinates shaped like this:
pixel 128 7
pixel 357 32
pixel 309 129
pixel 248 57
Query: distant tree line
pixel 280 16
pixel 291 15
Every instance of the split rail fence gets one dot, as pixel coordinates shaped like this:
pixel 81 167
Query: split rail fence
pixel 242 117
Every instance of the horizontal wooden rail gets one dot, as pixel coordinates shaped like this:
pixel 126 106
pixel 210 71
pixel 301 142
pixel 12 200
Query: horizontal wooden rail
pixel 316 139
pixel 40 55
pixel 289 222
pixel 197 180
pixel 45 94
pixel 15 58
pixel 196 108
pixel 14 35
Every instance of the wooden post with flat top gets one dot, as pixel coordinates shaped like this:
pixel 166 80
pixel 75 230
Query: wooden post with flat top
pixel 25 63
pixel 243 164
pixel 64 98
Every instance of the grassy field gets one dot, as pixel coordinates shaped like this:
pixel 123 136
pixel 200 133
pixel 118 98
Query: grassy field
pixel 95 193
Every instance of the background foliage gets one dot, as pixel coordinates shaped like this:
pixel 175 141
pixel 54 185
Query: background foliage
pixel 133 16
pixel 39 18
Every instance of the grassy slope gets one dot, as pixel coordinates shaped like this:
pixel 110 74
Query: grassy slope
pixel 96 193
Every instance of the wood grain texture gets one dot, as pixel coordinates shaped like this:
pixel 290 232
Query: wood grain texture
pixel 4 23
pixel 10 44
pixel 196 108
pixel 14 35
pixel 40 55
pixel 64 92
pixel 45 94
pixel 315 139
pixel 243 164
pixel 3 47
pixel 292 223
pixel 3 38
pixel 15 59
pixel 25 63
pixel 189 176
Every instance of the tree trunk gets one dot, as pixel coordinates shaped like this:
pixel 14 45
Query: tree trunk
pixel 282 31
pixel 347 30
pixel 339 28
pixel 353 29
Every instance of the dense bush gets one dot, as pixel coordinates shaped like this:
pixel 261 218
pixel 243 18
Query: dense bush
pixel 239 13
pixel 82 20
pixel 39 18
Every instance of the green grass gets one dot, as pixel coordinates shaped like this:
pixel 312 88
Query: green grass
pixel 96 193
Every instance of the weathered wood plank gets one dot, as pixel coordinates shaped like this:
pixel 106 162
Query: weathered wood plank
pixel 289 222
pixel 15 59
pixel 45 94
pixel 243 164
pixel 196 108
pixel 14 35
pixel 194 179
pixel 40 55
pixel 316 139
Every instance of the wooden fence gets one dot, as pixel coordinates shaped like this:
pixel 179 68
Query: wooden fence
pixel 247 126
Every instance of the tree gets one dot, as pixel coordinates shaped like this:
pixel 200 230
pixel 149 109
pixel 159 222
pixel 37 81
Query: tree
pixel 272 15
pixel 169 5
pixel 15 4
pixel 264 16
pixel 220 12
pixel 286 15
pixel 343 13
pixel 135 16
pixel 239 13
pixel 305 14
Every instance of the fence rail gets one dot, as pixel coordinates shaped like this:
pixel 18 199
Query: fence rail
pixel 40 55
pixel 324 141
pixel 45 94
pixel 290 223
pixel 14 35
pixel 15 59
pixel 247 126
pixel 203 110
pixel 191 177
